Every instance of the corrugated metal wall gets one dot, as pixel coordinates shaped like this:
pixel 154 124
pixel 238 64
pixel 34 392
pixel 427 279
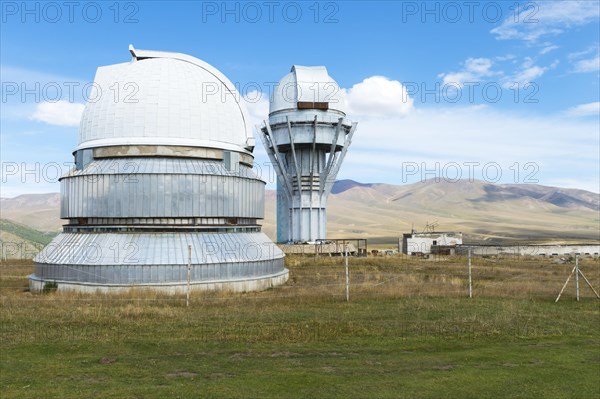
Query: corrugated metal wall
pixel 124 258
pixel 161 188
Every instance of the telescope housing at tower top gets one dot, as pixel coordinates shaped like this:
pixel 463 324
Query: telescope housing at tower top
pixel 306 137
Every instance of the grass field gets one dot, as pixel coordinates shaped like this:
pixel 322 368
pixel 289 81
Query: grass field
pixel 408 331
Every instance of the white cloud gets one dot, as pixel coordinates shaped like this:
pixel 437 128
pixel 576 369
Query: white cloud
pixel 548 49
pixel 549 18
pixel 60 113
pixel 589 109
pixel 508 57
pixel 475 69
pixel 587 60
pixel 587 65
pixel 527 73
pixel 257 104
pixel 580 54
pixel 478 69
pixel 378 96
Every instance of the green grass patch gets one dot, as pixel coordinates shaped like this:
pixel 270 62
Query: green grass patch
pixel 22 242
pixel 300 342
pixel 27 233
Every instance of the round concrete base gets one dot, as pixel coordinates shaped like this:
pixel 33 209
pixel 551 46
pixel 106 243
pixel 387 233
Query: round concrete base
pixel 36 284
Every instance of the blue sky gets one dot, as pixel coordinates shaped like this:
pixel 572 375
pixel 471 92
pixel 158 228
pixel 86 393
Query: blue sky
pixel 501 91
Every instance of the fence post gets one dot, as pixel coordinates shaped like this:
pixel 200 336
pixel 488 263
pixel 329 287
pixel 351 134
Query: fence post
pixel 470 280
pixel 187 297
pixel 577 275
pixel 347 282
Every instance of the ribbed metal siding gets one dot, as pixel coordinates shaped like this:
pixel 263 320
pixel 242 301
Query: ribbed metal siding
pixel 161 195
pixel 113 258
pixel 158 274
pixel 157 248
pixel 161 187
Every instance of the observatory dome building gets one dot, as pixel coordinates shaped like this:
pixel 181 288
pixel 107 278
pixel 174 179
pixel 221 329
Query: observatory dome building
pixel 306 137
pixel 163 176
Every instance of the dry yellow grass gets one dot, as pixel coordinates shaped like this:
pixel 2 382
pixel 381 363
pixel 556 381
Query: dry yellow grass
pixel 323 278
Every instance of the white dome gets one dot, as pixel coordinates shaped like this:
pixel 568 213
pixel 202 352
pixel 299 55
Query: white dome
pixel 164 99
pixel 307 84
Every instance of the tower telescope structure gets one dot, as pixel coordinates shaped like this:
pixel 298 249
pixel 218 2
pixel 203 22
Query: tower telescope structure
pixel 306 137
pixel 161 168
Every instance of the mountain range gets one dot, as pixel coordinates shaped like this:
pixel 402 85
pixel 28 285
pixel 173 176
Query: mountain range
pixel 383 212
pixel 481 210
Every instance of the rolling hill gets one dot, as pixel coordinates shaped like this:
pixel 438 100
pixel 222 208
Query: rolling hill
pixel 484 211
pixel 39 211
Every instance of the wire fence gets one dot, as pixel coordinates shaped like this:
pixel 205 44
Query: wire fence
pixel 396 276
